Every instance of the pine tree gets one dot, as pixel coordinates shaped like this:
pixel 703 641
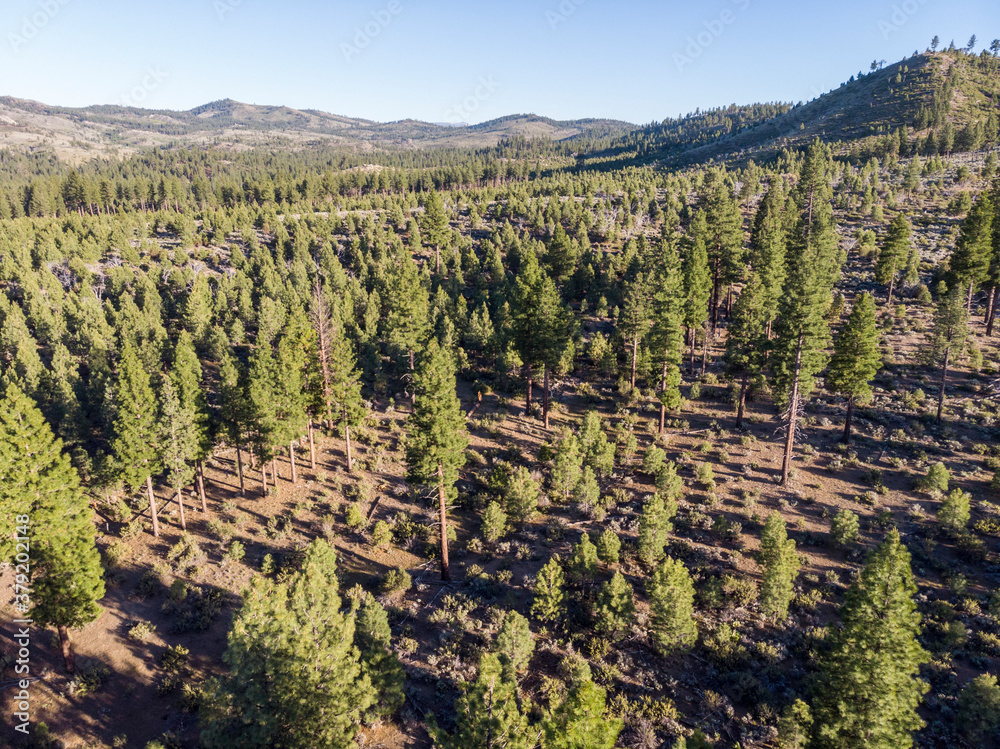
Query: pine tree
pixel 561 255
pixel 724 237
pixel 979 709
pixel 41 499
pixel 296 677
pixel 407 322
pixel 954 511
pixel 186 374
pixel 549 604
pixel 436 436
pixel 801 330
pixel 488 715
pixel 666 337
pixel 598 452
pixel 514 643
pixel 615 605
pixel 372 638
pixel 856 358
pixel 697 282
pixel 746 341
pixel 869 686
pixel 608 547
pixel 781 567
pixel 521 496
pixel 583 560
pixel 947 337
pixel 894 253
pixel 768 246
pixel 136 433
pixel 654 525
pixel 634 319
pixel 233 413
pixel 579 720
pixel 671 600
pixel 567 467
pixel 179 442
pixel 970 262
pixel 262 406
pixel 434 228
pixel 346 405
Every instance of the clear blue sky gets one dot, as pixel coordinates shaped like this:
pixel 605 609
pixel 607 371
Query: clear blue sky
pixel 449 60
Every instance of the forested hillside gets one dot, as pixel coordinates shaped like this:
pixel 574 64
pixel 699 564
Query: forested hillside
pixel 523 444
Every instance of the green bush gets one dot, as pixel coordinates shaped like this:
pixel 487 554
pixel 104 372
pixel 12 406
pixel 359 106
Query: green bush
pixel 397 580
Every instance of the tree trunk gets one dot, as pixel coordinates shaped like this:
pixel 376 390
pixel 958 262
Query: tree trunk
pixel 716 283
pixel 944 383
pixel 527 401
pixel 67 650
pixel 239 470
pixel 413 369
pixel 437 260
pixel 635 357
pixel 991 312
pixel 729 302
pixel 663 408
pixel 152 507
pixel 201 486
pixel 793 412
pixel 744 385
pixel 545 396
pixel 274 473
pixel 892 285
pixel 968 308
pixel 263 477
pixel 291 460
pixel 693 336
pixel 180 504
pixel 350 456
pixel 443 511
pixel 847 422
pixel 704 353
pixel 253 458
pixel 312 447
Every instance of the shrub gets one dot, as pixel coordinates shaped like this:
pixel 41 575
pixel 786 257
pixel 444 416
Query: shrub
pixel 397 580
pixel 954 511
pixel 845 528
pixel 355 519
pixel 936 480
pixel 608 547
pixel 174 658
pixel 236 551
pixel 141 630
pixel 979 708
pixel 654 460
pixel 494 525
pixel 381 535
pixel 706 476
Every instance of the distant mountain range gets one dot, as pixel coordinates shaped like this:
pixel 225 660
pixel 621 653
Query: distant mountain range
pixel 926 89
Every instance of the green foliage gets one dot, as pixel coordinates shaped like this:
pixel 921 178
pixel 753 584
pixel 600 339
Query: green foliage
pixel 514 642
pixel 615 605
pixel 654 525
pixel 856 358
pixel 521 496
pixel 494 524
pixel 608 547
pixel 671 599
pixel 579 720
pixel 597 450
pixel 136 434
pixel 487 709
pixel 549 604
pixel 845 528
pixel 296 677
pixel 583 560
pixel 954 511
pixel 979 709
pixel 567 467
pixel 869 687
pixel 936 479
pixel 372 638
pixel 795 726
pixel 781 567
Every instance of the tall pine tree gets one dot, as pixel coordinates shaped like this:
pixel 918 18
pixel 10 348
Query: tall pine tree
pixel 856 358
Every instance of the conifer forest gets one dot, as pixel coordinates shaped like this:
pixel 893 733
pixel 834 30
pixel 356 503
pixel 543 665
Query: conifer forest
pixel 681 435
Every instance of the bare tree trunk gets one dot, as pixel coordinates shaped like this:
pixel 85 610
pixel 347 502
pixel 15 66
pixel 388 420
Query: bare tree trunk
pixel 321 321
pixel 972 285
pixel 437 260
pixel 291 460
pixel 704 353
pixel 201 486
pixel 239 470
pixel 892 285
pixel 991 311
pixel 663 407
pixel 253 458
pixel 793 412
pixel 693 336
pixel 274 472
pixel 744 384
pixel 847 422
pixel 527 401
pixel 443 511
pixel 263 477
pixel 180 504
pixel 152 507
pixel 67 650
pixel 350 456
pixel 635 357
pixel 413 369
pixel 944 383
pixel 545 396
pixel 312 447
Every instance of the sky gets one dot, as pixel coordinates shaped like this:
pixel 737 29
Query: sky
pixel 452 61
